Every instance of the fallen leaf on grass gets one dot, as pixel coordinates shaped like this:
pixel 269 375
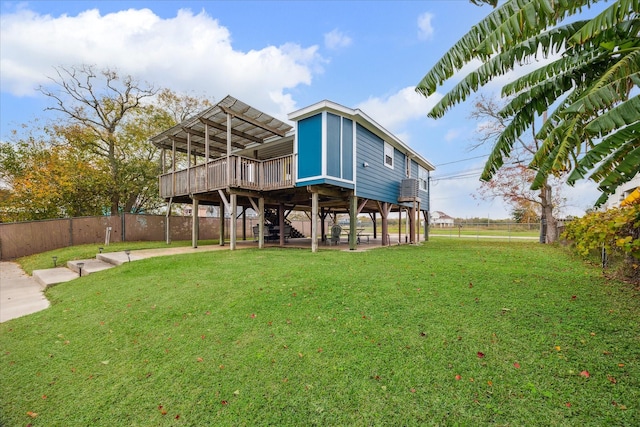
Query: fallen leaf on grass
pixel 412 390
pixel 200 359
pixel 568 404
pixel 480 354
pixel 516 365
pixel 458 377
pixel 585 374
pixel 224 402
pixel 32 414
pixel 611 379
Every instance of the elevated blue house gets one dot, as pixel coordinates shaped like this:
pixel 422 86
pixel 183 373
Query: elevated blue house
pixel 332 160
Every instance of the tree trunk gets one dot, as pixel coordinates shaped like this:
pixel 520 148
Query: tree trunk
pixel 549 221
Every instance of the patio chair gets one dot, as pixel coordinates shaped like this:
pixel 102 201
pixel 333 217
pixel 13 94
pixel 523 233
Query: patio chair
pixel 336 230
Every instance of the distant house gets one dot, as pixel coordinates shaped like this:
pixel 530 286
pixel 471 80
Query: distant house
pixel 441 220
pixel 333 160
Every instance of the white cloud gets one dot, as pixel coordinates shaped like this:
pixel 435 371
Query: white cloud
pixel 336 40
pixel 403 106
pixel 187 53
pixel 451 135
pixel 425 29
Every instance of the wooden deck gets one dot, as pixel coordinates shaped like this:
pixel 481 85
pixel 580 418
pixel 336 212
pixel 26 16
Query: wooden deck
pixel 245 173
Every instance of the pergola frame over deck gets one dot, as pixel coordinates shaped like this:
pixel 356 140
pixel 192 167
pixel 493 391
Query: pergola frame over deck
pixel 229 137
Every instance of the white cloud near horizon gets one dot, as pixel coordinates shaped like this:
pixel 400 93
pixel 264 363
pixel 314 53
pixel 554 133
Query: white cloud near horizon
pixel 394 111
pixel 335 39
pixel 186 53
pixel 425 27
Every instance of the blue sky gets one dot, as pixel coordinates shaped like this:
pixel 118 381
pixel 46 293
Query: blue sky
pixel 274 55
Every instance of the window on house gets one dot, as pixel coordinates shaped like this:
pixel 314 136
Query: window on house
pixel 423 176
pixel 388 155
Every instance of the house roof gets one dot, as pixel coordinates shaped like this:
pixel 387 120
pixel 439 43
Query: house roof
pixel 360 117
pixel 249 126
pixel 440 215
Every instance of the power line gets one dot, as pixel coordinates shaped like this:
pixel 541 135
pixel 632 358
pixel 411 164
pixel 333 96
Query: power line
pixel 462 160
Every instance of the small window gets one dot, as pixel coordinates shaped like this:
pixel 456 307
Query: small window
pixel 423 175
pixel 388 155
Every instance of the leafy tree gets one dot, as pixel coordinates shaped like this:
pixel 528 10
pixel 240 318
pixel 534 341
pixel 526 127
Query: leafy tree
pixel 586 82
pixel 525 213
pixel 45 180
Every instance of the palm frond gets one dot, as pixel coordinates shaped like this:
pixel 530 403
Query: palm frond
pixel 618 12
pixel 621 174
pixel 624 137
pixel 474 45
pixel 625 113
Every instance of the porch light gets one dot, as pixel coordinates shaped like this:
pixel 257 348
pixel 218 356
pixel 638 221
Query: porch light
pixel 100 249
pixel 128 251
pixel 55 261
pixel 80 265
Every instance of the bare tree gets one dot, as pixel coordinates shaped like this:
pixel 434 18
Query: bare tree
pixel 513 180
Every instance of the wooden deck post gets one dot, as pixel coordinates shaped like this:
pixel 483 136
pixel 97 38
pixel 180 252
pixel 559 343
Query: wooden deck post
pixel 221 240
pixel 353 221
pixel 411 216
pixel 385 208
pixel 233 225
pixel 281 223
pixel 418 222
pixel 195 224
pixel 167 223
pixel 314 222
pixel 261 222
pixel 399 224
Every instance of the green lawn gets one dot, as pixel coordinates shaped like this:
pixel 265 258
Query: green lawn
pixel 452 332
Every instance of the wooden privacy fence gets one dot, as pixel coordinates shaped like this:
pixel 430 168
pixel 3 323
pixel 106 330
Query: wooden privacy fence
pixel 19 239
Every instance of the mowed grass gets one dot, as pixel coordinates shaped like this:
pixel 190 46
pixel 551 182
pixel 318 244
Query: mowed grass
pixel 447 333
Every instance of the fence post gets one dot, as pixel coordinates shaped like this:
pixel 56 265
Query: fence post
pixel 124 233
pixel 70 231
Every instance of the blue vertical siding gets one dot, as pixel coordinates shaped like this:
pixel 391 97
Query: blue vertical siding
pixel 333 145
pixel 347 149
pixel 310 147
pixel 376 181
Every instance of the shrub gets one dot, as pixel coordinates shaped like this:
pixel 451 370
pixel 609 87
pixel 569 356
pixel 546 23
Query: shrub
pixel 616 230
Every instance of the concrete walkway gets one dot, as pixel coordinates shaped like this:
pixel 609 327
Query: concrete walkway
pixel 20 294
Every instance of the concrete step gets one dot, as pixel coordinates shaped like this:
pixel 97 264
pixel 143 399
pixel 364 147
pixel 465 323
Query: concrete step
pixel 53 276
pixel 88 266
pixel 117 258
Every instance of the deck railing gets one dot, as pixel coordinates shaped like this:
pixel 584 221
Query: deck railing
pixel 246 173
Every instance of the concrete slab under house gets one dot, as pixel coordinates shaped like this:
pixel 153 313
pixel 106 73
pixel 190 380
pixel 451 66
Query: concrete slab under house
pixel 332 160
